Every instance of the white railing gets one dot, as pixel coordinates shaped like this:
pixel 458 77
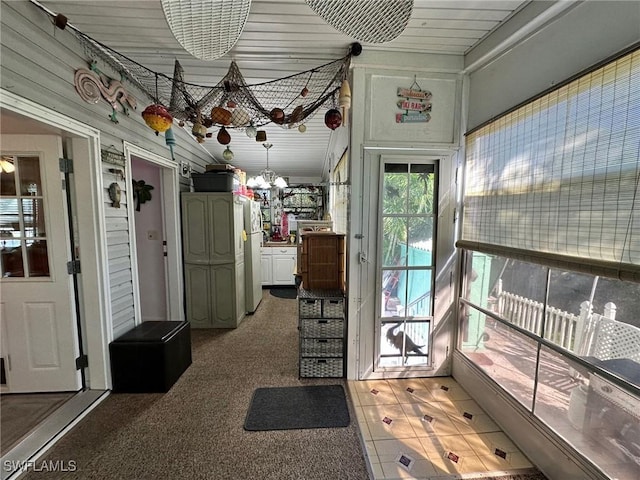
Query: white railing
pixel 560 326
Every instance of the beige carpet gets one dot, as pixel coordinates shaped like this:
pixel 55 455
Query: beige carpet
pixel 20 413
pixel 195 431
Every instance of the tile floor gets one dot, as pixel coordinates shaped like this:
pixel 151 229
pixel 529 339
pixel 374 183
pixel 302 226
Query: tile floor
pixel 427 428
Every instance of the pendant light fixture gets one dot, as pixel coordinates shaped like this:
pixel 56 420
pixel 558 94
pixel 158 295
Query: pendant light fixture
pixel 267 178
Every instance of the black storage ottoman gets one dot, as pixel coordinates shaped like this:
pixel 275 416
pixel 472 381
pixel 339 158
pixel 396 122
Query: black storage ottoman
pixel 150 357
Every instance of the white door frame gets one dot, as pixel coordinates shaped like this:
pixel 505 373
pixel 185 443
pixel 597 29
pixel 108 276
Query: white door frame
pixel 363 268
pixel 92 232
pixel 169 173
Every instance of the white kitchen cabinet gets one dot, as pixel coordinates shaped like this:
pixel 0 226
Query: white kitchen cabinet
pixel 283 264
pixel 278 264
pixel 267 268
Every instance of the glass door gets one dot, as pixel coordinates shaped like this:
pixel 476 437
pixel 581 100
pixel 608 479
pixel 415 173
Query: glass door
pixel 408 204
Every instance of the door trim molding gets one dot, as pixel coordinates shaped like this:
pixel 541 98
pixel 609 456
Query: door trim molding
pixel 171 212
pixel 91 224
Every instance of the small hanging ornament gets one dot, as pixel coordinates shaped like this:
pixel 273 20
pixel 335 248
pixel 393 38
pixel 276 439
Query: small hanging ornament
pixel 302 128
pixel 240 117
pixel 332 118
pixel 157 118
pixel 296 115
pixel 277 116
pixel 251 131
pixel 199 131
pixel 304 92
pixel 223 136
pixel 261 136
pixel 227 154
pixel 344 100
pixel 221 116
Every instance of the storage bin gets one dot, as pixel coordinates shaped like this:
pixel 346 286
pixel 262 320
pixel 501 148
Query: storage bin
pixel 332 308
pixel 321 367
pixel 213 181
pixel 321 347
pixel 310 308
pixel 322 327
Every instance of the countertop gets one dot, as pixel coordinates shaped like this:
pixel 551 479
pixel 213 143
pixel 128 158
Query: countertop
pixel 278 244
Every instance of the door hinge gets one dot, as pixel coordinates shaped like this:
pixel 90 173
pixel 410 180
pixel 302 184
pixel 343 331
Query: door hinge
pixel 66 165
pixel 73 267
pixel 164 248
pixel 82 362
pixel 455 215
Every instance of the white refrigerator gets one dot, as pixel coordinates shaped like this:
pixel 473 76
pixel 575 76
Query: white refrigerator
pixel 253 271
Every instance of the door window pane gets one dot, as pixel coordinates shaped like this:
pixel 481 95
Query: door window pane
pixel 7 182
pixel 22 222
pixel 394 190
pixel 420 241
pixel 12 258
pixel 29 174
pixel 33 214
pixel 404 343
pixel 37 258
pixel 394 241
pixel 393 292
pixel 419 294
pixel 9 218
pixel 421 184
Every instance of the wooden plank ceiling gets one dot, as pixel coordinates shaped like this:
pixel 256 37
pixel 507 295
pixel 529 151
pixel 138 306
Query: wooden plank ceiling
pixel 280 38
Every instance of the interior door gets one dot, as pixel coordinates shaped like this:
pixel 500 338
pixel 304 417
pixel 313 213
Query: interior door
pixel 36 311
pixel 406 263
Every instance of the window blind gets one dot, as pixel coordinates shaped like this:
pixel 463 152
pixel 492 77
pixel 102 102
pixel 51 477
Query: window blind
pixel 560 175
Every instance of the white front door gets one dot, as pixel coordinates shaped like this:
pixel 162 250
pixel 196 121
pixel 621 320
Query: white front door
pixel 37 318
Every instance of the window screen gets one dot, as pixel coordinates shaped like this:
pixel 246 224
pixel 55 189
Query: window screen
pixel 559 176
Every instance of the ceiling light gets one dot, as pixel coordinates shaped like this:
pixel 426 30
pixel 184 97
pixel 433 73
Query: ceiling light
pixel 365 20
pixel 207 29
pixel 267 177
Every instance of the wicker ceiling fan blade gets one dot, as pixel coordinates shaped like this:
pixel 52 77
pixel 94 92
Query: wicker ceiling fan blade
pixel 207 29
pixel 370 21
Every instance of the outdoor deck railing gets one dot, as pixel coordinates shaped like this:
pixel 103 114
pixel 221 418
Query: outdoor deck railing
pixel 560 325
pixel 587 333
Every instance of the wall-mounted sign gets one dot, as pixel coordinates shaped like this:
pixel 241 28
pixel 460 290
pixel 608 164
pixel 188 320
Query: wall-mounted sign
pixel 112 156
pixel 415 104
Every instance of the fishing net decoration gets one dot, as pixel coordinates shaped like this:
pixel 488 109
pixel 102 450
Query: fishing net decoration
pixel 300 96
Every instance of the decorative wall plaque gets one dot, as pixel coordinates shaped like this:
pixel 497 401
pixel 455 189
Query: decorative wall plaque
pixel 112 156
pixel 91 87
pixel 415 104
